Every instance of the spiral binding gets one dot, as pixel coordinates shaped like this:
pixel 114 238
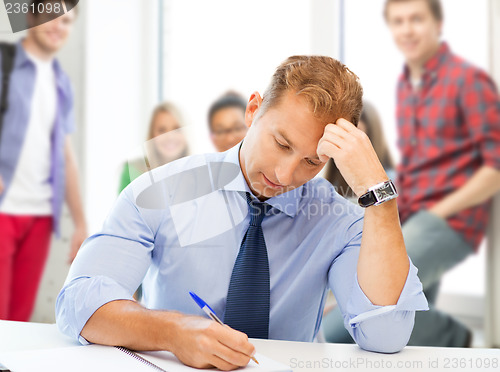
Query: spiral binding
pixel 139 358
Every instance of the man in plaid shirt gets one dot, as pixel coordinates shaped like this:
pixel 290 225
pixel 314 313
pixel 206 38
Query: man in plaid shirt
pixel 449 136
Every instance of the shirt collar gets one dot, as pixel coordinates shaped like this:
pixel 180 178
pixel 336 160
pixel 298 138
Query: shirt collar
pixel 21 56
pixel 438 58
pixel 61 80
pixel 287 202
pixel 434 62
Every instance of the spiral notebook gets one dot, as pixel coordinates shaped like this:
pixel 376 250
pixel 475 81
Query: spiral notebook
pixel 98 358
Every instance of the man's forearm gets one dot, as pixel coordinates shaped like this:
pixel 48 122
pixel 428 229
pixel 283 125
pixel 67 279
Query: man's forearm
pixel 127 323
pixel 73 198
pixel 383 262
pixel 197 341
pixel 480 187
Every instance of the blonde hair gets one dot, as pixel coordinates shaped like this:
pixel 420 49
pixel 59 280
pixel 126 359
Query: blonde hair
pixel 331 89
pixel 169 108
pixel 153 158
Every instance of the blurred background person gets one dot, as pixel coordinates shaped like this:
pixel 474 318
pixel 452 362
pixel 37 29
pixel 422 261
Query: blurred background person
pixel 371 124
pixel 166 142
pixel 37 165
pixel 226 121
pixel 448 121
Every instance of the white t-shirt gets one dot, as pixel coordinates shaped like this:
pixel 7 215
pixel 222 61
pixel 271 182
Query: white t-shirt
pixel 30 192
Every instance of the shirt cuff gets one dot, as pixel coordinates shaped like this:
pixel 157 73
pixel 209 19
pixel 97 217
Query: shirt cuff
pixel 80 298
pixel 412 298
pixel 83 341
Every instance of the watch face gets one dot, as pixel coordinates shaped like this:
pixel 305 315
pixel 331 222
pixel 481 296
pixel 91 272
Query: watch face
pixel 384 192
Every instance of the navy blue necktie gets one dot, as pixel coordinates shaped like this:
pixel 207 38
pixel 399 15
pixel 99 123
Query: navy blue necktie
pixel 247 305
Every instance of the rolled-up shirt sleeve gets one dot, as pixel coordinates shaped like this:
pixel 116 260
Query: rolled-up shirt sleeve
pixel 480 107
pixel 385 329
pixel 110 266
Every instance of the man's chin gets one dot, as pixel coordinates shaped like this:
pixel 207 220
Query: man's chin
pixel 51 47
pixel 268 193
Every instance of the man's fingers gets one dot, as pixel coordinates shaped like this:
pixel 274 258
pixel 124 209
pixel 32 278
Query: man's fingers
pixel 337 130
pixel 346 125
pixel 237 341
pixel 233 350
pixel 328 148
pixel 232 356
pixel 204 342
pixel 222 364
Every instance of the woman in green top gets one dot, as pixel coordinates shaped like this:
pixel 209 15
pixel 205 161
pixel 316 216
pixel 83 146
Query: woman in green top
pixel 166 142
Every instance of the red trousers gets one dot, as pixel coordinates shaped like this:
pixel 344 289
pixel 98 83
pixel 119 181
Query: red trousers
pixel 24 247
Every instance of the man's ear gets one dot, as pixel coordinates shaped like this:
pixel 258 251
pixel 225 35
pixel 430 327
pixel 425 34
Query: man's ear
pixel 253 106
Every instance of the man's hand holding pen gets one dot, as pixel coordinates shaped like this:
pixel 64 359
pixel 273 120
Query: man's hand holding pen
pixel 203 343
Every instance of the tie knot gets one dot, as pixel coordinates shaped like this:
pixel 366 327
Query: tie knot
pixel 257 210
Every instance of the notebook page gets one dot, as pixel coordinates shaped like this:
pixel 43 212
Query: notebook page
pixel 169 362
pixel 97 358
pixel 75 359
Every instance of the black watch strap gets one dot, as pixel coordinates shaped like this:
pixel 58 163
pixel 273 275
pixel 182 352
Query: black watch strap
pixel 367 199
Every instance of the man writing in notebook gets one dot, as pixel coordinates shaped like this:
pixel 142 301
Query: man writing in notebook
pixel 251 232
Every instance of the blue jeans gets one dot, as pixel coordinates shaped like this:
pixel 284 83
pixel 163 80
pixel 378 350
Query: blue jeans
pixel 434 248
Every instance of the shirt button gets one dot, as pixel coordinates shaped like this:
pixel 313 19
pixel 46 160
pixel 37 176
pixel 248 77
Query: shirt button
pixel 413 142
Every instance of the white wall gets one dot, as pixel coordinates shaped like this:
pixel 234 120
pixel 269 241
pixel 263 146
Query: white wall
pixel 120 91
pixel 493 255
pixel 213 46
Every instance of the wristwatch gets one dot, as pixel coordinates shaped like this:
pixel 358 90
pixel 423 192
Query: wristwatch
pixel 378 194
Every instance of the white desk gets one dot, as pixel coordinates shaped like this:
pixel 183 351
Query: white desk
pixel 300 356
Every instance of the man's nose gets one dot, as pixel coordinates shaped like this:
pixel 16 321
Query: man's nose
pixel 406 27
pixel 286 170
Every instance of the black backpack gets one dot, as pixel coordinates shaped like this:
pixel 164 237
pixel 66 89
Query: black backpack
pixel 8 52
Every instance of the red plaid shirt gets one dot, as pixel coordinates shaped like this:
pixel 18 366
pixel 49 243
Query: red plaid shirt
pixel 447 130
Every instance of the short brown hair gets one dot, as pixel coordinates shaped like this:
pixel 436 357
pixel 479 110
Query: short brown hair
pixel 332 90
pixel 434 5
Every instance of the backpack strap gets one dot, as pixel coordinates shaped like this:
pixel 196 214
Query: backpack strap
pixel 8 52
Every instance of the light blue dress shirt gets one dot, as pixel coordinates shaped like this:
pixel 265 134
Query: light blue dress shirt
pixel 179 227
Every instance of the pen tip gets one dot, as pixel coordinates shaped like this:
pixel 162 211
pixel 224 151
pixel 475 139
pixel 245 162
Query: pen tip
pixel 198 300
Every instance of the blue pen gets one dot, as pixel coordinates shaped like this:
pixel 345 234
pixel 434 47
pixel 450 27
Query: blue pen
pixel 209 311
pixel 204 306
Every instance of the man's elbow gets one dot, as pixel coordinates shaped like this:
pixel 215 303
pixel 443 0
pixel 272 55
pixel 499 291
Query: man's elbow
pixel 63 318
pixel 385 334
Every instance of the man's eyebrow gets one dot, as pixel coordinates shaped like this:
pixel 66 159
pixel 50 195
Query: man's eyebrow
pixel 315 157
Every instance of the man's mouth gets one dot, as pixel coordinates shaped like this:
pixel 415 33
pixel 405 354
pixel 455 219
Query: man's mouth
pixel 272 184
